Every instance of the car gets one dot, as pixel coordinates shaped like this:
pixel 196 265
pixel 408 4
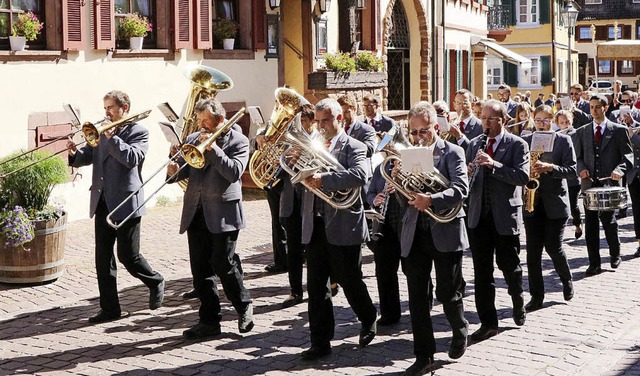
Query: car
pixel 601 86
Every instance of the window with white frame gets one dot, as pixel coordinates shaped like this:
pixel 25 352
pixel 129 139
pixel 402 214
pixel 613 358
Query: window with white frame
pixel 587 2
pixel 494 72
pixel 604 67
pixel 611 34
pixel 528 11
pixel 560 77
pixel 626 67
pixel 534 72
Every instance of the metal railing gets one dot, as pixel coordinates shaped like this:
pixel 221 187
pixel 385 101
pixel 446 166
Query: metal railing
pixel 499 17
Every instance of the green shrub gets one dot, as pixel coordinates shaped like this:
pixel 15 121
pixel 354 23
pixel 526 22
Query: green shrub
pixel 340 62
pixel 367 61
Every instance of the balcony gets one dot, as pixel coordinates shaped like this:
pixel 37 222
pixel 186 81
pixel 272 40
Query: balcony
pixel 498 22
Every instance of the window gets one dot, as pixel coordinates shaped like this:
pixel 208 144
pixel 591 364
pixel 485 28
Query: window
pixel 145 8
pixel 534 73
pixel 611 33
pixel 240 12
pixel 494 72
pixel 584 33
pixel 626 67
pixel 587 2
pixel 604 67
pixel 528 11
pixel 638 31
pixel 9 10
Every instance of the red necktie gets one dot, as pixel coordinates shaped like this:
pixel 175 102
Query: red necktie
pixel 598 135
pixel 492 141
pixel 373 123
pixel 462 127
pixel 327 144
pixel 346 127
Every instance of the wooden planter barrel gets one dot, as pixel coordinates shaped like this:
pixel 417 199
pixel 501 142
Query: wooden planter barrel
pixel 41 260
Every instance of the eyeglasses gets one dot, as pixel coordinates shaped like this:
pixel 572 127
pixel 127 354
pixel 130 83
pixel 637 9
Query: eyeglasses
pixel 575 93
pixel 460 103
pixel 629 100
pixel 368 105
pixel 493 118
pixel 422 131
pixel 439 111
pixel 545 121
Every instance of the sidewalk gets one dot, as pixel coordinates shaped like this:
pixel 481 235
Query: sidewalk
pixel 44 329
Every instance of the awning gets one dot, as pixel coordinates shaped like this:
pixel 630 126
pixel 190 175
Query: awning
pixel 622 49
pixel 505 53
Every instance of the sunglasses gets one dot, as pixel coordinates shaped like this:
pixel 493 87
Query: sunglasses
pixel 421 131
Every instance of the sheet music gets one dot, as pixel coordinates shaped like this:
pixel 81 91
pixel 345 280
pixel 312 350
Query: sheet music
pixel 169 131
pixel 544 140
pixel 168 112
pixel 417 159
pixel 565 103
pixel 73 114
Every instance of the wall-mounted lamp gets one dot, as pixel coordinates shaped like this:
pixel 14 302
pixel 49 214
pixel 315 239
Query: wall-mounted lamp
pixel 325 5
pixel 273 4
pixel 361 4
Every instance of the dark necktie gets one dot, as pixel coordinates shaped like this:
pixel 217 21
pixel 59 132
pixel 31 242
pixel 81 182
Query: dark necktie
pixel 492 141
pixel 346 128
pixel 373 123
pixel 462 127
pixel 598 135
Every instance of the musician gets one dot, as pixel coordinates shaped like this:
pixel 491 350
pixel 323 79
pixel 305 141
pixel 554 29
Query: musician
pixel 575 92
pixel 603 152
pixel 290 205
pixel 628 118
pixel 467 126
pixel 379 122
pixel 425 241
pixel 117 172
pixel 564 120
pixel 333 237
pixel 504 95
pixel 353 127
pixel 545 225
pixel 212 216
pixel 522 124
pixel 495 215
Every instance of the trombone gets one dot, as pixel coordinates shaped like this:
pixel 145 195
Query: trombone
pixel 193 155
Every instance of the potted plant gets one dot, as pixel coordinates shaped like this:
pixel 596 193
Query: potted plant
pixel 26 28
pixel 134 27
pixel 32 234
pixel 367 61
pixel 346 72
pixel 225 31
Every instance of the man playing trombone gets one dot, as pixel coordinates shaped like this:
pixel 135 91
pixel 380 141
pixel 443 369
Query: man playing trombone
pixel 212 216
pixel 117 164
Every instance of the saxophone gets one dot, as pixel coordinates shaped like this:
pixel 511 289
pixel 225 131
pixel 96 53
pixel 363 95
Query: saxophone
pixel 533 184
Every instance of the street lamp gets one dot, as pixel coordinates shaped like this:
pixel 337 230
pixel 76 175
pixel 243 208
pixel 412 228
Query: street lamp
pixel 361 4
pixel 325 5
pixel 570 16
pixel 273 4
pixel 595 53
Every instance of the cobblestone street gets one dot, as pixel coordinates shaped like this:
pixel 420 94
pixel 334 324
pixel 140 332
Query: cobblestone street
pixel 44 329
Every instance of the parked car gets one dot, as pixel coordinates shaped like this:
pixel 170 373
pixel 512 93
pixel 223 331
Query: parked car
pixel 601 86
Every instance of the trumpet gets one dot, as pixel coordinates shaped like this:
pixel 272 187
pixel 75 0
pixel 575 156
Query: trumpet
pixel 193 155
pixel 92 131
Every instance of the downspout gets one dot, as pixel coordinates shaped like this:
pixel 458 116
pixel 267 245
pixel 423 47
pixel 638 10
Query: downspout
pixel 553 50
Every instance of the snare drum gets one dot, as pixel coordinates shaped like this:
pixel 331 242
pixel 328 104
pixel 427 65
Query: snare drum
pixel 605 198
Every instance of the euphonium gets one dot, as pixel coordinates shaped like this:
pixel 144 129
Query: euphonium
pixel 312 157
pixel 264 164
pixel 533 184
pixel 410 183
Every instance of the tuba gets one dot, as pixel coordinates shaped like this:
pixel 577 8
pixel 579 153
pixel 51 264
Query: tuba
pixel 312 157
pixel 409 183
pixel 264 164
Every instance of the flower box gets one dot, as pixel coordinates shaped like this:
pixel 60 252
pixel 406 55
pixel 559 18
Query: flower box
pixel 353 80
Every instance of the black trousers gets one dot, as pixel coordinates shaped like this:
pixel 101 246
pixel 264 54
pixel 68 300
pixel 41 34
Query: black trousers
pixel 386 255
pixel 485 241
pixel 634 193
pixel 592 234
pixel 278 233
pixel 345 263
pixel 215 254
pixel 295 248
pixel 417 267
pixel 574 192
pixel 543 232
pixel 128 250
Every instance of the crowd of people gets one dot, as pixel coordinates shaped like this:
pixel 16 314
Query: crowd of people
pixel 499 167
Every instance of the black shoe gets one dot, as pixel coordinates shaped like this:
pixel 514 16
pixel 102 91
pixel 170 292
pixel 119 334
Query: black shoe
pixel 202 330
pixel 483 333
pixel 275 269
pixel 388 321
pixel 315 352
pixel 533 305
pixel 578 233
pixel 422 366
pixel 367 334
pixel 335 289
pixel 615 261
pixel 245 321
pixel 591 271
pixel 106 316
pixel 156 296
pixel 519 313
pixel 291 300
pixel 567 290
pixel 637 253
pixel 458 345
pixel 190 294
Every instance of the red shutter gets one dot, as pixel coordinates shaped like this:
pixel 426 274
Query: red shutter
pixel 204 40
pixel 259 27
pixel 183 30
pixel 105 27
pixel 73 24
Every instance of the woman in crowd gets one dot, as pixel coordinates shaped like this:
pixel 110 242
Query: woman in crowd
pixel 564 120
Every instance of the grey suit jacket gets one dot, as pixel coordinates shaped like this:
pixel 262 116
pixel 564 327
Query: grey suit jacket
pixel 472 130
pixel 615 152
pixel 633 172
pixel 511 108
pixel 364 133
pixel 553 189
pixel 117 170
pixel 447 237
pixel 217 186
pixel 505 181
pixel 584 106
pixel 384 124
pixel 571 132
pixel 345 226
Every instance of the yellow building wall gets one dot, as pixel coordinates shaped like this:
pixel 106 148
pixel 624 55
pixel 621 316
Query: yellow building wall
pixel 294 69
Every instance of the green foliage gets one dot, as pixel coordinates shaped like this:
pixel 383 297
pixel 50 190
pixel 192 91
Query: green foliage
pixel 31 187
pixel 225 29
pixel 340 62
pixel 367 61
pixel 134 25
pixel 27 26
